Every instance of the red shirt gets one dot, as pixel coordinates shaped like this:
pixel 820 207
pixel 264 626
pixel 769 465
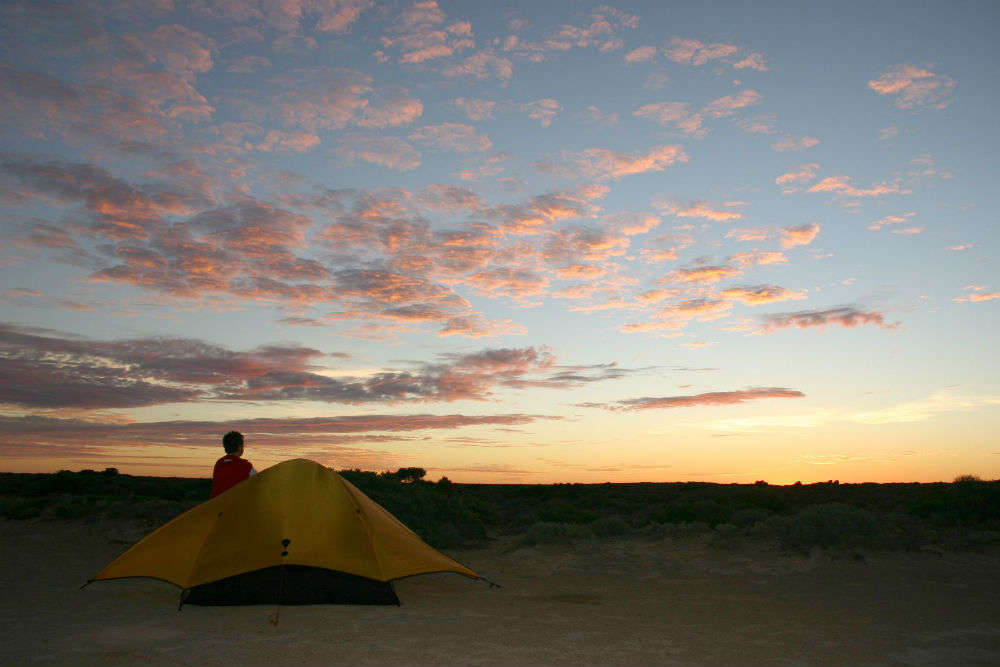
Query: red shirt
pixel 229 471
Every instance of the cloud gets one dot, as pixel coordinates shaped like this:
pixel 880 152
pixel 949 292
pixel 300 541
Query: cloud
pixel 876 225
pixel 475 109
pixel 914 87
pixel 799 235
pixel 752 61
pixel 336 16
pixel 543 110
pixel 249 64
pixel 845 316
pixel 940 402
pixel 794 144
pixel 519 284
pixel 978 294
pixel 601 164
pixel 118 208
pixel 730 104
pixel 388 152
pixel 842 185
pixel 53 436
pixel 758 258
pixel 642 54
pixel 699 209
pixel 60 372
pixel 299 142
pixel 420 34
pixel 452 136
pixel 694 52
pixel 801 173
pixel 702 275
pixel 676 114
pixel 594 114
pixel 710 398
pixel 760 294
pixel 482 66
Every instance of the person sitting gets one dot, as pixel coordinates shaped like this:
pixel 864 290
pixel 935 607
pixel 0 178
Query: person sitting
pixel 230 470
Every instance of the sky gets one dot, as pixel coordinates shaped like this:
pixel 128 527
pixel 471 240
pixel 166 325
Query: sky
pixel 506 242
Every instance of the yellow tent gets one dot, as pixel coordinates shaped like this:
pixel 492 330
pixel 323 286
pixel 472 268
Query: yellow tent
pixel 296 533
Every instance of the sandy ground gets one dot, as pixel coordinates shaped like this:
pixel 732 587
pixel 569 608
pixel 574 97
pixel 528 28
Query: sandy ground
pixel 673 602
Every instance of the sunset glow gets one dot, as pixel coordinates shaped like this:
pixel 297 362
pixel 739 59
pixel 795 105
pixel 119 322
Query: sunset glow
pixel 532 242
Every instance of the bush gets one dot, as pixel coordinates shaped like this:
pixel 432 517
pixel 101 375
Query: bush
pixel 828 525
pixel 747 517
pixel 610 526
pixel 549 532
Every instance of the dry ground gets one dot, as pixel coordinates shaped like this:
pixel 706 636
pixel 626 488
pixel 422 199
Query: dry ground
pixel 673 602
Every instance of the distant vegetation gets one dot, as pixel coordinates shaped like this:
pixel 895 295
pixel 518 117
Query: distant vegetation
pixel 964 514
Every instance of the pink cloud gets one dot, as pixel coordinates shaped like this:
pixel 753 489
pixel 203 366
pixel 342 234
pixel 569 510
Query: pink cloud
pixel 483 65
pixel 401 111
pixel 388 152
pixel 642 54
pixel 452 136
pixel 752 61
pixel 914 87
pixel 799 235
pixel 730 104
pixel 544 110
pixel 845 316
pixel 475 109
pixel 710 398
pixel 600 163
pixel 694 52
pixel 676 114
pixel 794 144
pixel 299 142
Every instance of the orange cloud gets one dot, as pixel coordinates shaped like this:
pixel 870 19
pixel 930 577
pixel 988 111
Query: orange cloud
pixel 803 172
pixel 800 235
pixel 701 209
pixel 842 185
pixel 914 87
pixel 978 295
pixel 761 294
pixel 702 275
pixel 758 257
pixel 876 225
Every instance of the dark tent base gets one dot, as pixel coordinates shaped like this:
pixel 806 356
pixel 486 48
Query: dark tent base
pixel 299 584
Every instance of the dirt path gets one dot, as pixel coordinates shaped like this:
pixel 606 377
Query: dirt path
pixel 628 603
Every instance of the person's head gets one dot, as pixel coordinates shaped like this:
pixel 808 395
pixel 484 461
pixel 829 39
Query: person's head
pixel 233 442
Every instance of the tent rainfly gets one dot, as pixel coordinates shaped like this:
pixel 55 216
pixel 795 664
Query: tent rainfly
pixel 296 533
